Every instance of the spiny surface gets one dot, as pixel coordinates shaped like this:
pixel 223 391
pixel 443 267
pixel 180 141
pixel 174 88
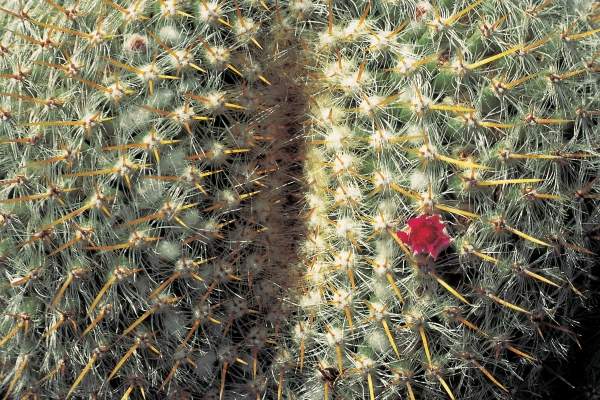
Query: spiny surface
pixel 482 113
pixel 148 158
pixel 149 164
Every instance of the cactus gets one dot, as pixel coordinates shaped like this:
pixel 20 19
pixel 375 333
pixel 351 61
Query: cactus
pixel 476 115
pixel 155 156
pixel 148 200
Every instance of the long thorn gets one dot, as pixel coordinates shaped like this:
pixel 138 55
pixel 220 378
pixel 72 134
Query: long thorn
pixel 82 374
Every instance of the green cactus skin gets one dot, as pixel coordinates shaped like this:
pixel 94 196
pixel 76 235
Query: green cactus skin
pixel 155 154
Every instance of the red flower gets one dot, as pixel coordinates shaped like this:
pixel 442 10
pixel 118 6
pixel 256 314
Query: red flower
pixel 426 234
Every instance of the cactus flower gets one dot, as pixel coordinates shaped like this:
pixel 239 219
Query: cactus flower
pixel 426 234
